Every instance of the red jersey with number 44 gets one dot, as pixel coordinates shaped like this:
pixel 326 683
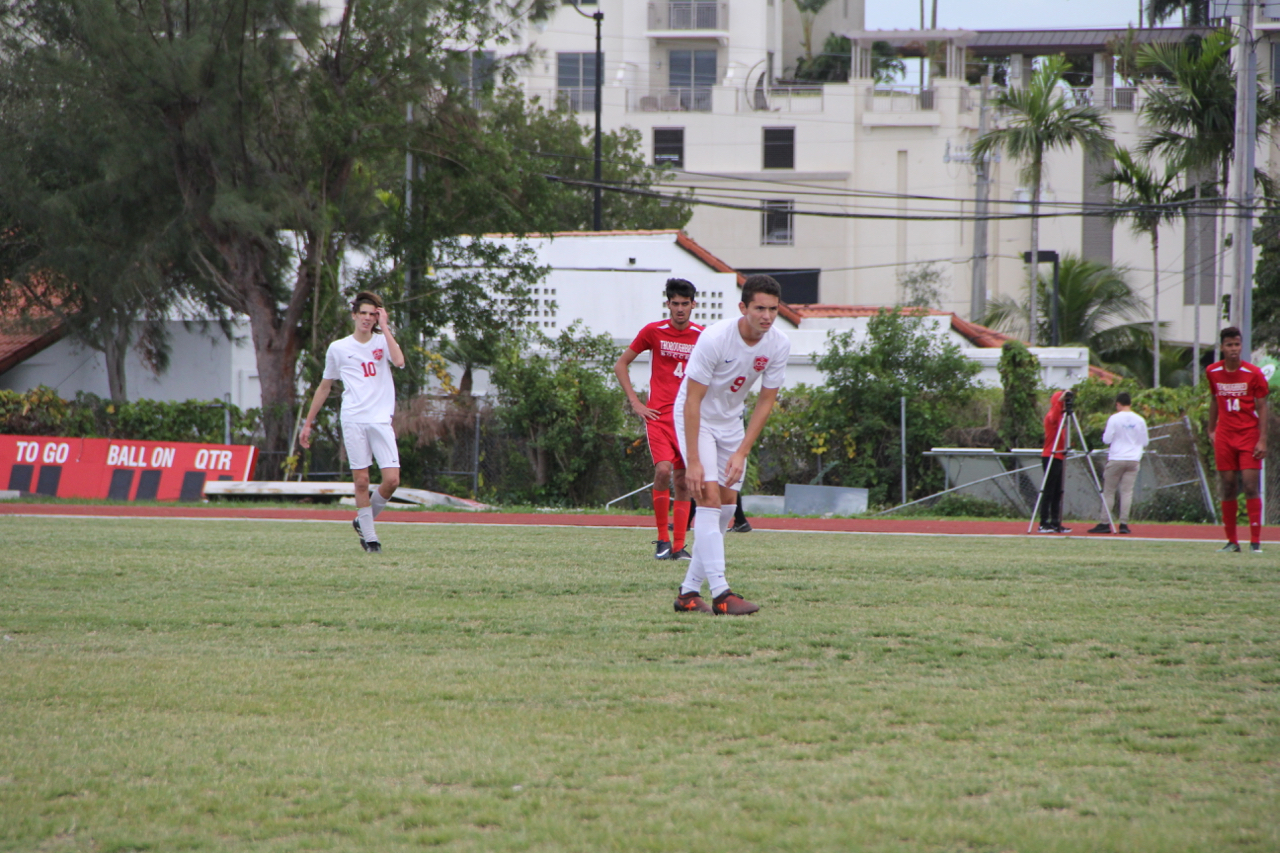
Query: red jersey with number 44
pixel 671 348
pixel 1236 393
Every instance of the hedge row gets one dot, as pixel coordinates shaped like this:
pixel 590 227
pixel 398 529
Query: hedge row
pixel 42 412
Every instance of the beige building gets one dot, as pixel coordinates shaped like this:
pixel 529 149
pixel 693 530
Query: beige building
pixel 840 187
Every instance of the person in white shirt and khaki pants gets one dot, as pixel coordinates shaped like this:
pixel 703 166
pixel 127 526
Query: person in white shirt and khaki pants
pixel 1126 435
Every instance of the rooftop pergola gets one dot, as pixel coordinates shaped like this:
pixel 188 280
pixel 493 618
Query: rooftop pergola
pixel 996 43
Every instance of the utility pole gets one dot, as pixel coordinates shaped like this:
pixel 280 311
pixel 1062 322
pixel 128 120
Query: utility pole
pixel 412 267
pixel 597 198
pixel 978 295
pixel 1246 138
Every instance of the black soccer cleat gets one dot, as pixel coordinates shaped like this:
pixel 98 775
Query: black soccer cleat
pixel 1230 548
pixel 663 549
pixel 1100 528
pixel 1255 547
pixel 744 527
pixel 373 546
pixel 356 524
pixel 1124 528
pixel 682 554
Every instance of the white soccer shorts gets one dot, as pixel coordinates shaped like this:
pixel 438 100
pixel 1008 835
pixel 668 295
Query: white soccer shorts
pixel 365 442
pixel 716 443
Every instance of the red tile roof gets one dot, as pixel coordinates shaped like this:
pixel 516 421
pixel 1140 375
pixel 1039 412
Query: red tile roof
pixel 16 345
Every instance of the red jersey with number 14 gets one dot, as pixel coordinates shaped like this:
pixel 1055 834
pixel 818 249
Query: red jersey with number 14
pixel 1236 393
pixel 671 348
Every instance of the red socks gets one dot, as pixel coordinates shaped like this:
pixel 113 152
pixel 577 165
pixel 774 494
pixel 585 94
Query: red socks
pixel 661 512
pixel 1230 509
pixel 682 525
pixel 1253 507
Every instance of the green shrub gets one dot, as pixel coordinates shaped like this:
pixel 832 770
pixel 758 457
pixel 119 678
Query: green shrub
pixel 42 412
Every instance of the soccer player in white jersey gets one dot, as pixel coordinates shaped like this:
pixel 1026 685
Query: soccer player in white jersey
pixel 362 361
pixel 723 368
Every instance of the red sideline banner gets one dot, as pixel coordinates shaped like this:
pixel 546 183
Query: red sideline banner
pixel 119 470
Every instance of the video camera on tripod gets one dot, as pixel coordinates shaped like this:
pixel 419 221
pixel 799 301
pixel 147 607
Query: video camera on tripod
pixel 1065 424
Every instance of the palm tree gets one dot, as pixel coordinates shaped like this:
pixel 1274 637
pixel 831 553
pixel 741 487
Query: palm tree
pixel 1194 12
pixel 1039 119
pixel 1096 309
pixel 1196 117
pixel 1149 199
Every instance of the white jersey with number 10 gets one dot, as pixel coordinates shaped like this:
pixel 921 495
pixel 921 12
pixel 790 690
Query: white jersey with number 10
pixel 368 394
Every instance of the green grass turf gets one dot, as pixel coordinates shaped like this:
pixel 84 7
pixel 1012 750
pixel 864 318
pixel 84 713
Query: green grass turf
pixel 219 685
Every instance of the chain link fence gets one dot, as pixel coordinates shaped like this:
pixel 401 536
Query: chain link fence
pixel 466 451
pixel 1173 484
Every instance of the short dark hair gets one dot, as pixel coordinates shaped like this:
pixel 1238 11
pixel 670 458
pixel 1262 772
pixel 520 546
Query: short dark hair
pixel 365 297
pixel 1229 332
pixel 1124 399
pixel 766 284
pixel 681 287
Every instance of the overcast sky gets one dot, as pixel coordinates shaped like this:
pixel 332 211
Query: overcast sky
pixel 1004 14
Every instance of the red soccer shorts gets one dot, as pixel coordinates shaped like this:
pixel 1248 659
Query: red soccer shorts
pixel 1233 451
pixel 663 446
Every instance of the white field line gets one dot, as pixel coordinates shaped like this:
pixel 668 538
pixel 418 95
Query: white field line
pixel 347 523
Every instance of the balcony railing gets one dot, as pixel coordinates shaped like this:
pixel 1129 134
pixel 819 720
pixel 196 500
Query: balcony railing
pixel 899 99
pixel 689 15
pixel 579 99
pixel 1124 100
pixel 782 99
pixel 669 100
pixel 1081 96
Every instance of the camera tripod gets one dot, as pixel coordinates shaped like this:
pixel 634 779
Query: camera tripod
pixel 1068 420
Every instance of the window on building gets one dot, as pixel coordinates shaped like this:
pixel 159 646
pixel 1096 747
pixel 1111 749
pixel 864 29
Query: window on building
pixel 691 74
pixel 576 80
pixel 476 72
pixel 779 147
pixel 668 146
pixel 777 223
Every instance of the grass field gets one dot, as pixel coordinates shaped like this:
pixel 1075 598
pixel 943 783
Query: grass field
pixel 214 685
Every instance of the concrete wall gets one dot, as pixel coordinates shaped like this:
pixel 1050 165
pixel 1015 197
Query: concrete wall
pixel 204 365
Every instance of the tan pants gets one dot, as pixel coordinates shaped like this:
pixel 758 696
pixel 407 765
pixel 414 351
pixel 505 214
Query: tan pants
pixel 1122 474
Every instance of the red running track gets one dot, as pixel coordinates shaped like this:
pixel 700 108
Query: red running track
pixel 1204 532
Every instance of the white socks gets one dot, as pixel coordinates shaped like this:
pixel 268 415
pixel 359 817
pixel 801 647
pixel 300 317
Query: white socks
pixel 364 517
pixel 727 512
pixel 707 564
pixel 377 502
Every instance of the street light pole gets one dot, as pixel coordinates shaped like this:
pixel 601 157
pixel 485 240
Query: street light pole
pixel 597 198
pixel 978 292
pixel 1044 256
pixel 1246 139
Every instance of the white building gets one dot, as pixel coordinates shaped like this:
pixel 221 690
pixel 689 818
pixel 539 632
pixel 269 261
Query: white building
pixel 203 365
pixel 613 282
pixel 699 80
pixel 610 283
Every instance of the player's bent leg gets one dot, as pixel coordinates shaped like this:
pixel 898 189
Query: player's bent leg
pixel 1229 483
pixel 708 552
pixel 1251 480
pixel 360 477
pixel 680 512
pixel 364 509
pixel 662 508
pixel 379 497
